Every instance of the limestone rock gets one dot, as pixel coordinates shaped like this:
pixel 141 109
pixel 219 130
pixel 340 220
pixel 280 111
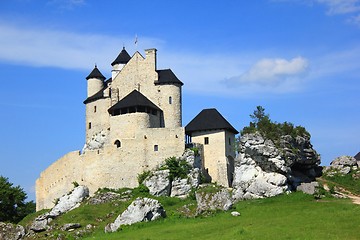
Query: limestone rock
pixel 265 170
pixel 97 141
pixel 219 200
pixel 40 224
pixel 70 226
pixel 9 231
pixel 70 201
pixel 159 183
pixel 104 198
pixel 235 214
pixel 142 209
pixel 180 188
pixel 341 165
pixel 308 188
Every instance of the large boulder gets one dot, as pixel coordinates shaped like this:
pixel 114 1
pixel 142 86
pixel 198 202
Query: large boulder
pixel 159 183
pixel 70 201
pixel 9 231
pixel 263 169
pixel 142 209
pixel 211 198
pixel 341 165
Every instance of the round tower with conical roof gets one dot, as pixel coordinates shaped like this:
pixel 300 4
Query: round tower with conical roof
pixel 95 82
pixel 122 59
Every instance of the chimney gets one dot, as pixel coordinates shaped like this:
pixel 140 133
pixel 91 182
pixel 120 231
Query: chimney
pixel 150 55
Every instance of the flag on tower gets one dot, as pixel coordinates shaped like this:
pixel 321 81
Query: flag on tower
pixel 136 39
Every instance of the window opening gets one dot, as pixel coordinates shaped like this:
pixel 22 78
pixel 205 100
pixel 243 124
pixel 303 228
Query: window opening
pixel 117 143
pixel 89 125
pixel 206 140
pixel 170 100
pixel 156 148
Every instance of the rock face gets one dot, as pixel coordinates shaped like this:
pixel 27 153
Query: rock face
pixel 265 170
pixel 9 231
pixel 97 141
pixel 308 188
pixel 65 204
pixel 70 201
pixel 159 183
pixel 341 165
pixel 210 201
pixel 142 209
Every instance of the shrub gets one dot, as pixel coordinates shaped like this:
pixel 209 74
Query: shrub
pixel 142 176
pixel 179 168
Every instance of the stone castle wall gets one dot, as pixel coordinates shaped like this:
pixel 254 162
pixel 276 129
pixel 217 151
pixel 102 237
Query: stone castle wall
pixel 110 166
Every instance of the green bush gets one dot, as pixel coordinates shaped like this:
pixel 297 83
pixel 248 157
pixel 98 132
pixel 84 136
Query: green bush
pixel 179 168
pixel 272 130
pixel 142 176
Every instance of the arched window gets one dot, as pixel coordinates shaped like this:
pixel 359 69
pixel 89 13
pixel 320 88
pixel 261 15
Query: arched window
pixel 117 143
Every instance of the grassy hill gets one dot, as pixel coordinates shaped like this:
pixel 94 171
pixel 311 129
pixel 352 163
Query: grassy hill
pixel 293 216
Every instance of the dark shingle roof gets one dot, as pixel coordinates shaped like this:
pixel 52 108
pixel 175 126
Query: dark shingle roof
pixel 122 58
pixel 95 73
pixel 134 99
pixel 99 94
pixel 357 156
pixel 209 119
pixel 167 76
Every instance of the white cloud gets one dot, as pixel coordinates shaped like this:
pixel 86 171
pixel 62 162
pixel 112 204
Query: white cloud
pixel 341 6
pixel 51 48
pixel 273 70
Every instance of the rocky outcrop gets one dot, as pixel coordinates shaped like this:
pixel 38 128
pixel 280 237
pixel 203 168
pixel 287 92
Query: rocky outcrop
pixel 66 203
pixel 265 170
pixel 308 188
pixel 210 199
pixel 159 183
pixel 341 165
pixel 70 201
pixel 9 231
pixel 142 209
pixel 106 197
pixel 97 141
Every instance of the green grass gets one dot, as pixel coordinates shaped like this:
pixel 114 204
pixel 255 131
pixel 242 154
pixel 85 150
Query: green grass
pixel 345 181
pixel 294 216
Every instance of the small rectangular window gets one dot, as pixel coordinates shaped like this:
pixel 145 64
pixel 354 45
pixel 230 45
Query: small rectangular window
pixel 89 125
pixel 94 109
pixel 170 100
pixel 206 140
pixel 156 148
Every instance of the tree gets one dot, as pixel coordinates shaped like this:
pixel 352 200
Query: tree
pixel 13 207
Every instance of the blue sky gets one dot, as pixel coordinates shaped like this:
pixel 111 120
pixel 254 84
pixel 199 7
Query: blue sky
pixel 300 59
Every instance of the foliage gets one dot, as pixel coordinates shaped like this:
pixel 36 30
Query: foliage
pixel 272 130
pixel 13 207
pixel 195 150
pixel 179 168
pixel 142 176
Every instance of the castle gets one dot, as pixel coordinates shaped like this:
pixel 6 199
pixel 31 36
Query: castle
pixel 133 123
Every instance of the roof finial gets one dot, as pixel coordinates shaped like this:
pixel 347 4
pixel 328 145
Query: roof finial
pixel 123 46
pixel 95 65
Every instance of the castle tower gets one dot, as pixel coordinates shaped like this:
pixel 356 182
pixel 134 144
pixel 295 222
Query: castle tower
pixel 95 103
pixel 95 82
pixel 217 136
pixel 122 59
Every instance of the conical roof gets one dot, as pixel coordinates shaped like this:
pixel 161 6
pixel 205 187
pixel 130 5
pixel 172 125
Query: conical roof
pixel 122 58
pixel 209 119
pixel 95 73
